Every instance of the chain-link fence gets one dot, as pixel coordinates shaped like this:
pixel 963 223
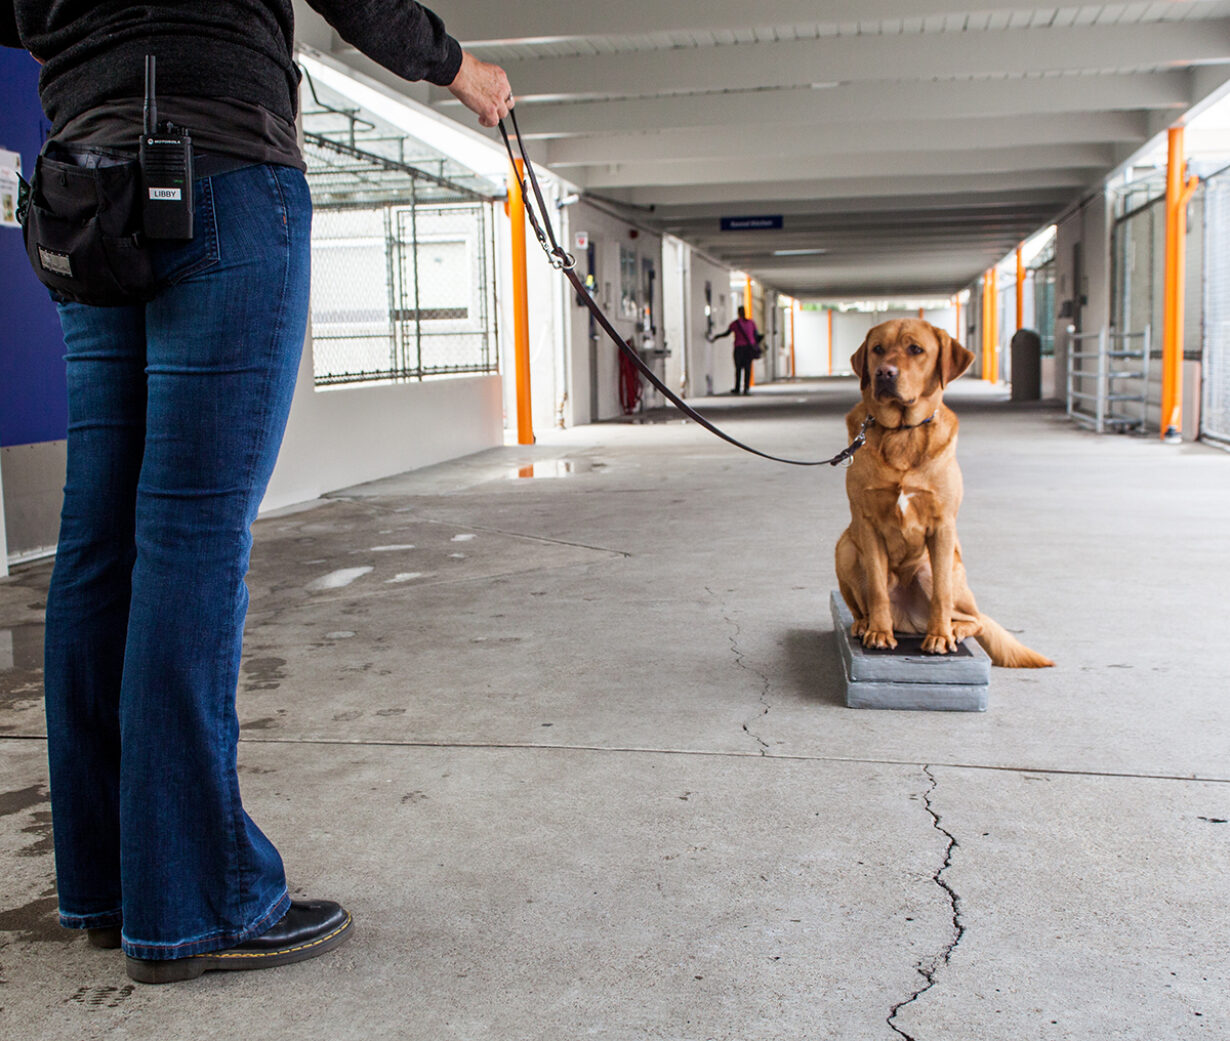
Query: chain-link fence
pixel 402 292
pixel 1138 273
pixel 403 278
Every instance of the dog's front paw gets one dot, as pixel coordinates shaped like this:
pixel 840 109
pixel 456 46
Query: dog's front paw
pixel 879 639
pixel 939 643
pixel 963 630
pixel 858 628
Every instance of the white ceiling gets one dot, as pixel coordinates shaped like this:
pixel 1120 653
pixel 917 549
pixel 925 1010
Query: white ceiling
pixel 913 141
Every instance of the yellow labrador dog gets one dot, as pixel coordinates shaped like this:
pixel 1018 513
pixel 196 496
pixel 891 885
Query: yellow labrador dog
pixel 899 563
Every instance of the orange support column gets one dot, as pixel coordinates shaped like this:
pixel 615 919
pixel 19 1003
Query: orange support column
pixel 830 312
pixel 993 346
pixel 956 332
pixel 521 308
pixel 985 325
pixel 1020 290
pixel 1178 194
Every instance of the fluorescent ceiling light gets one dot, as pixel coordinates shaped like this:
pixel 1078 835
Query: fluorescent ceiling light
pixel 797 252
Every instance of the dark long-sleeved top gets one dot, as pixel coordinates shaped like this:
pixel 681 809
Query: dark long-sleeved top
pixel 94 50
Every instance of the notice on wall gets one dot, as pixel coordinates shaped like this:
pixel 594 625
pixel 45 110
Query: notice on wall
pixel 10 169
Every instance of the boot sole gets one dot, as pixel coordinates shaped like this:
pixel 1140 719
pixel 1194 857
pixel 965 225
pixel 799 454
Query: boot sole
pixel 175 970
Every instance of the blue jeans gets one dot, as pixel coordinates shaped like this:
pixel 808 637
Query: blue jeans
pixel 176 412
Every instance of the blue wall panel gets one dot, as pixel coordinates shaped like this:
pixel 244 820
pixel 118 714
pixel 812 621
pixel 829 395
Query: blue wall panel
pixel 33 402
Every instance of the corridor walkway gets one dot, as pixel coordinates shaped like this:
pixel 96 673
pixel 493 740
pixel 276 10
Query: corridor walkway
pixel 562 727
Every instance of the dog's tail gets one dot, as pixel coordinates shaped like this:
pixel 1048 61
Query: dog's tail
pixel 1005 649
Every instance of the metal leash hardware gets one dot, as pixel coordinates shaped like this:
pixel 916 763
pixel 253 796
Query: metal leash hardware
pixel 563 261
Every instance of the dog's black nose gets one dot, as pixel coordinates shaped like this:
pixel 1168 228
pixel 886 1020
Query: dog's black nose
pixel 886 373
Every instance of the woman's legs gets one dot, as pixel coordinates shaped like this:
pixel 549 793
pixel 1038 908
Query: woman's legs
pixel 222 348
pixel 88 604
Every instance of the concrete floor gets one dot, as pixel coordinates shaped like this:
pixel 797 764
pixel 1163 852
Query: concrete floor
pixel 562 727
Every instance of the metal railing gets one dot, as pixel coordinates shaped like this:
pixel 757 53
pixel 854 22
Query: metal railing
pixel 1096 393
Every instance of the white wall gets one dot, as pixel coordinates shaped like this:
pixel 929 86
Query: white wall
pixel 344 436
pixel 593 365
pixel 677 317
pixel 811 343
pixel 711 366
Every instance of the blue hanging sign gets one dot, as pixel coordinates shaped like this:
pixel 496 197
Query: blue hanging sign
pixel 773 223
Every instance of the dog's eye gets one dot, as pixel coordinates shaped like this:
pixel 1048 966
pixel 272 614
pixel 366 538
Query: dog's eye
pixel 915 349
pixel 877 349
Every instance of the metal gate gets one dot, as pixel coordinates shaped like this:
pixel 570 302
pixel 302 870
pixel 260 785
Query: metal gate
pixel 1215 410
pixel 443 291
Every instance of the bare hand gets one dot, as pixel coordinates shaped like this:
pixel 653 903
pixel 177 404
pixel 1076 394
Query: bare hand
pixel 483 88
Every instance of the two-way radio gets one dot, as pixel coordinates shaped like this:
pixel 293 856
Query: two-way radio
pixel 166 170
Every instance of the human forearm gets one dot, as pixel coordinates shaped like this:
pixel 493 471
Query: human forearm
pixel 404 37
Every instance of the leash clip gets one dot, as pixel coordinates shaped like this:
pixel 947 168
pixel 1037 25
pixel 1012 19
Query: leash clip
pixel 561 260
pixel 846 455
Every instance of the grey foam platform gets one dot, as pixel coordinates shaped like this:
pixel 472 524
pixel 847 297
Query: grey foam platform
pixel 906 678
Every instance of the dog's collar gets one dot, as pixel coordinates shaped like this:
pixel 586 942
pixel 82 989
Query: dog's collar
pixel 903 426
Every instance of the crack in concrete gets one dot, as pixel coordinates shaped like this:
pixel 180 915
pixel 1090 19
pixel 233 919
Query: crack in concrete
pixel 930 970
pixel 741 663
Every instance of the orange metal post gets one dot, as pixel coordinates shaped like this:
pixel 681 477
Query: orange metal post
pixel 957 321
pixel 1178 194
pixel 1020 290
pixel 994 325
pixel 521 309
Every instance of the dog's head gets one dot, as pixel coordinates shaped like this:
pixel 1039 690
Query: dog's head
pixel 903 367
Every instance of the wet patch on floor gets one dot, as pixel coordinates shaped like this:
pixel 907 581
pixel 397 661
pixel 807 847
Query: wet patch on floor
pixel 21 799
pixel 263 673
pixel 41 830
pixel 21 668
pixel 555 468
pixel 36 922
pixel 263 723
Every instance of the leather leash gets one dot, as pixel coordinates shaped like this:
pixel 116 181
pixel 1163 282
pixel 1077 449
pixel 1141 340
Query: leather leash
pixel 564 262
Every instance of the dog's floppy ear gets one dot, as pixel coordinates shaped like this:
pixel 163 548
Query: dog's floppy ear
pixel 954 359
pixel 858 362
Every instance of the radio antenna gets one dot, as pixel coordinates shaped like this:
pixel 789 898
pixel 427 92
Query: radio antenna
pixel 151 104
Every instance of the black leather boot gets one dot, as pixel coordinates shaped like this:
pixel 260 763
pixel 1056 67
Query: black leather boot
pixel 307 930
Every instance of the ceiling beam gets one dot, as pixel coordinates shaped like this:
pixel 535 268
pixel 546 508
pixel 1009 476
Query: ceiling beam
pixel 864 102
pixel 761 197
pixel 956 135
pixel 854 59
pixel 683 209
pixel 493 21
pixel 823 167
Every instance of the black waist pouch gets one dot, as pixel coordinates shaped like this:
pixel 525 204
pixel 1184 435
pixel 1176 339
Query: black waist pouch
pixel 83 229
